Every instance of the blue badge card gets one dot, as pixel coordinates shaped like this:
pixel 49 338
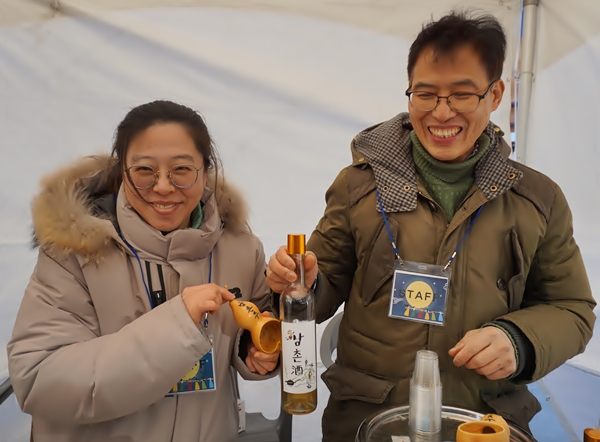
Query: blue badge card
pixel 419 292
pixel 200 378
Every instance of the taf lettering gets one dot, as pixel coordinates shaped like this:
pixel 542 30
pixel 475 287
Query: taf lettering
pixel 422 296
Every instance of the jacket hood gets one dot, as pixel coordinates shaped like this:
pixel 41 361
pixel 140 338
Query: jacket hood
pixel 67 219
pixel 387 148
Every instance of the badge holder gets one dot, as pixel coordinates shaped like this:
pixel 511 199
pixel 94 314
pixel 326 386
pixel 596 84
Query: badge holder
pixel 419 292
pixel 201 377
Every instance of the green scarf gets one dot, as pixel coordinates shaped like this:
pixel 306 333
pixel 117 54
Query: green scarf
pixel 196 217
pixel 447 183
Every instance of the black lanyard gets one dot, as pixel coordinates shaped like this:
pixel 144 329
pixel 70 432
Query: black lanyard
pixel 387 226
pixel 158 296
pixel 153 295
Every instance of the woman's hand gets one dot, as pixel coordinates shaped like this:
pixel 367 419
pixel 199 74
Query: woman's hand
pixel 199 299
pixel 259 362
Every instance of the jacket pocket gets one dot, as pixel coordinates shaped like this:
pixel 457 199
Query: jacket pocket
pixel 346 383
pixel 516 284
pixel 380 262
pixel 518 405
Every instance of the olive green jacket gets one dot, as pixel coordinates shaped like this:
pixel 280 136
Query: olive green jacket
pixel 520 264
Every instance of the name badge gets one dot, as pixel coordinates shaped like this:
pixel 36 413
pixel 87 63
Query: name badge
pixel 419 292
pixel 200 378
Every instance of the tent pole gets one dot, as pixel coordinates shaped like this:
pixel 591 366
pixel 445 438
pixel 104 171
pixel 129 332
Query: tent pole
pixel 530 8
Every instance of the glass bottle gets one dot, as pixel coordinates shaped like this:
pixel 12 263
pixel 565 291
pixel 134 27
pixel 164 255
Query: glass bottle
pixel 298 338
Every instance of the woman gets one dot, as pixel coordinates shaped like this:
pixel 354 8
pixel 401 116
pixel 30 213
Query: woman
pixel 124 332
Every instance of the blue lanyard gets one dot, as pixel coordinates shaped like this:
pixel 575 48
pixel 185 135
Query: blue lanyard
pixel 141 270
pixel 205 319
pixel 144 279
pixel 389 231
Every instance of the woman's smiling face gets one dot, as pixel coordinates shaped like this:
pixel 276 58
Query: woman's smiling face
pixel 162 147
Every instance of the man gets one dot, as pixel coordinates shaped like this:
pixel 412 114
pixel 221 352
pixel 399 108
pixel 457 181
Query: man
pixel 435 240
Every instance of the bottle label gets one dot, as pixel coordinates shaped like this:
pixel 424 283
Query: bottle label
pixel 298 356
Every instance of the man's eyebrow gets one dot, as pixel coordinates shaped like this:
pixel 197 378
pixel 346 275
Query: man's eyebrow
pixel 465 82
pixel 423 85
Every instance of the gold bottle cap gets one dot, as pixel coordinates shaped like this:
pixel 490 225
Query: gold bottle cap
pixel 591 435
pixel 296 244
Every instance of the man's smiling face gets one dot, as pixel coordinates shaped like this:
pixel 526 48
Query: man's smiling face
pixel 447 135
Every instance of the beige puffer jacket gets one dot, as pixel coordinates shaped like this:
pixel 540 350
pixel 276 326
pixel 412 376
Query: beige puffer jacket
pixel 89 359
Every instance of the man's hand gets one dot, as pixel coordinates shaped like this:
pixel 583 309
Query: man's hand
pixel 280 271
pixel 259 362
pixel 488 351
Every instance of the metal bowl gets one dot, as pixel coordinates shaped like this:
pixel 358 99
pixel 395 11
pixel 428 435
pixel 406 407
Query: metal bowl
pixel 394 422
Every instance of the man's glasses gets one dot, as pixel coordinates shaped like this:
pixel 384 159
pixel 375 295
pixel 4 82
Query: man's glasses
pixel 460 102
pixel 182 176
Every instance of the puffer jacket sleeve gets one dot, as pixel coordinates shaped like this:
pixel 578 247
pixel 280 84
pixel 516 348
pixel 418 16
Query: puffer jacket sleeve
pixel 333 244
pixel 64 371
pixel 261 297
pixel 557 310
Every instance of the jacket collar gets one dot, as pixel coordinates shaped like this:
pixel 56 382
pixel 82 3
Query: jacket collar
pixel 182 244
pixel 387 148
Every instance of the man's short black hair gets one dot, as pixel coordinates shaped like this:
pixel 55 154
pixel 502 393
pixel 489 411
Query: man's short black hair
pixel 483 33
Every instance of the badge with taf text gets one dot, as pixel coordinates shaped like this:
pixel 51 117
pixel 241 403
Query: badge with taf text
pixel 419 292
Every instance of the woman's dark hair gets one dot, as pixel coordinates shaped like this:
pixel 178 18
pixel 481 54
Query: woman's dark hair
pixel 142 117
pixel 483 33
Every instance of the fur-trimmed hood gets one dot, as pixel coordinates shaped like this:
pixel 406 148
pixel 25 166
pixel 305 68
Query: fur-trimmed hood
pixel 66 218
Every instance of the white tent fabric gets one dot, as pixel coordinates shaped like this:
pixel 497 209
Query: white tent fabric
pixel 284 86
pixel 563 133
pixel 283 95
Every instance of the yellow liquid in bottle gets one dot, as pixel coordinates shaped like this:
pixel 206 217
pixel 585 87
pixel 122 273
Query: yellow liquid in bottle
pixel 302 403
